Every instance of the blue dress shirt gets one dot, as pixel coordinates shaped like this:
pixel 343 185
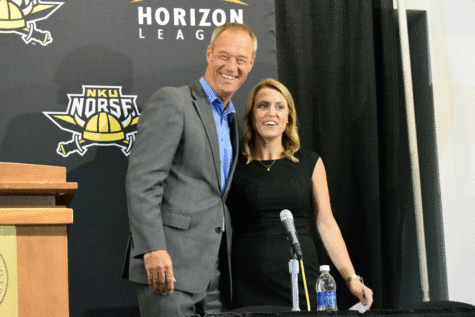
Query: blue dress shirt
pixel 222 119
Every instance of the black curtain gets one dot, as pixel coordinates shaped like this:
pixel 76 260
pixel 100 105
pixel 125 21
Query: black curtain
pixel 340 61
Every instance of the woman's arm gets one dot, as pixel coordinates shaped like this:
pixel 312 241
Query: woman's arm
pixel 330 234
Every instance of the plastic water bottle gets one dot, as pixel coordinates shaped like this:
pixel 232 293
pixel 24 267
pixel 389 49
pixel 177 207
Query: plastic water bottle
pixel 326 290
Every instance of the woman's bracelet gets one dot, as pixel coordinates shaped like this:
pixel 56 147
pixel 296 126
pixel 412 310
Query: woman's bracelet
pixel 352 277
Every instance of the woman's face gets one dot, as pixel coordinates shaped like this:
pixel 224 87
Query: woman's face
pixel 270 114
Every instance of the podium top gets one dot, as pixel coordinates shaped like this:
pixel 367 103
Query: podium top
pixel 31 173
pixel 32 179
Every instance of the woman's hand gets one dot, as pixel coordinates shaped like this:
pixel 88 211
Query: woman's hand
pixel 360 291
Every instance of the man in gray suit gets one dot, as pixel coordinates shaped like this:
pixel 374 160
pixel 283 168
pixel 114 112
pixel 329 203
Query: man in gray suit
pixel 179 174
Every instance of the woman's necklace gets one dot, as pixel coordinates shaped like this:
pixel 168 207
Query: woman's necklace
pixel 268 166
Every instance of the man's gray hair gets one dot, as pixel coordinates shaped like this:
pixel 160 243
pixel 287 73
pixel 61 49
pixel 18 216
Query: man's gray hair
pixel 234 26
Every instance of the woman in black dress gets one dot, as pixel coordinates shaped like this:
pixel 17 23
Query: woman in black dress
pixel 273 174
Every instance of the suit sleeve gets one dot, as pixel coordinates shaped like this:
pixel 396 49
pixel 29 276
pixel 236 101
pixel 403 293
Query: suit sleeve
pixel 158 135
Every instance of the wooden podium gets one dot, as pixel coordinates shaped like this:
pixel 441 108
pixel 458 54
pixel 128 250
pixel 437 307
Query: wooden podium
pixel 33 200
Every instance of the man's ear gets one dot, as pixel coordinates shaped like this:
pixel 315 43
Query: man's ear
pixel 209 52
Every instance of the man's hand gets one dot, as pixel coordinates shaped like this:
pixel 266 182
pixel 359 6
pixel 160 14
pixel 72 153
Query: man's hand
pixel 158 265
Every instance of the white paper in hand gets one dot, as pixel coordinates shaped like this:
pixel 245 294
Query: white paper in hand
pixel 360 307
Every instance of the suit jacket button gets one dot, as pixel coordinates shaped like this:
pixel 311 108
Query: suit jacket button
pixel 219 230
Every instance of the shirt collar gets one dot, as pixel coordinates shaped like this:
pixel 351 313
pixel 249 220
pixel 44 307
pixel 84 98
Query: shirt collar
pixel 214 99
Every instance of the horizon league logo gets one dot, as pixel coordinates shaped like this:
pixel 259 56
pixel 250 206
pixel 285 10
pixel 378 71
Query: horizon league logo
pixel 100 116
pixel 20 16
pixel 201 17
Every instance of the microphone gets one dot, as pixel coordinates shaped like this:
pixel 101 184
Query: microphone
pixel 288 221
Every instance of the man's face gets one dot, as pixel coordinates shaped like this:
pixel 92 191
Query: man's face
pixel 229 62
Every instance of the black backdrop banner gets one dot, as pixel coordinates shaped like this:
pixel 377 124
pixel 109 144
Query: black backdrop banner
pixel 339 60
pixel 65 66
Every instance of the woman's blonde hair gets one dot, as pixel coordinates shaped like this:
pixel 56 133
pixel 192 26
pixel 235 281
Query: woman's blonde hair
pixel 290 138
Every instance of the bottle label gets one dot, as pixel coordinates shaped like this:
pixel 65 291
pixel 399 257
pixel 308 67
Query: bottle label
pixel 326 298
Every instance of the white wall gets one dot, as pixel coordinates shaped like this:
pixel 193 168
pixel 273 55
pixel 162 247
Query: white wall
pixel 452 54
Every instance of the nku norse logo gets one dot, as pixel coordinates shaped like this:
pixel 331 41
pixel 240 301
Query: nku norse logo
pixel 20 16
pixel 100 116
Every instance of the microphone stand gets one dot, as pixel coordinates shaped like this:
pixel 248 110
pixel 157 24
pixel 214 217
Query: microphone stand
pixel 294 276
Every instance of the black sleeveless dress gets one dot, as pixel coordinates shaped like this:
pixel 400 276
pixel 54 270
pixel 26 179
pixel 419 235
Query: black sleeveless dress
pixel 261 251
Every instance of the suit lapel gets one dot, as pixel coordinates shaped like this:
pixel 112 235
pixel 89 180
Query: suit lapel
pixel 202 106
pixel 235 144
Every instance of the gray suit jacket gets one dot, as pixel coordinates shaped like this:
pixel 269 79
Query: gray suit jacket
pixel 173 188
